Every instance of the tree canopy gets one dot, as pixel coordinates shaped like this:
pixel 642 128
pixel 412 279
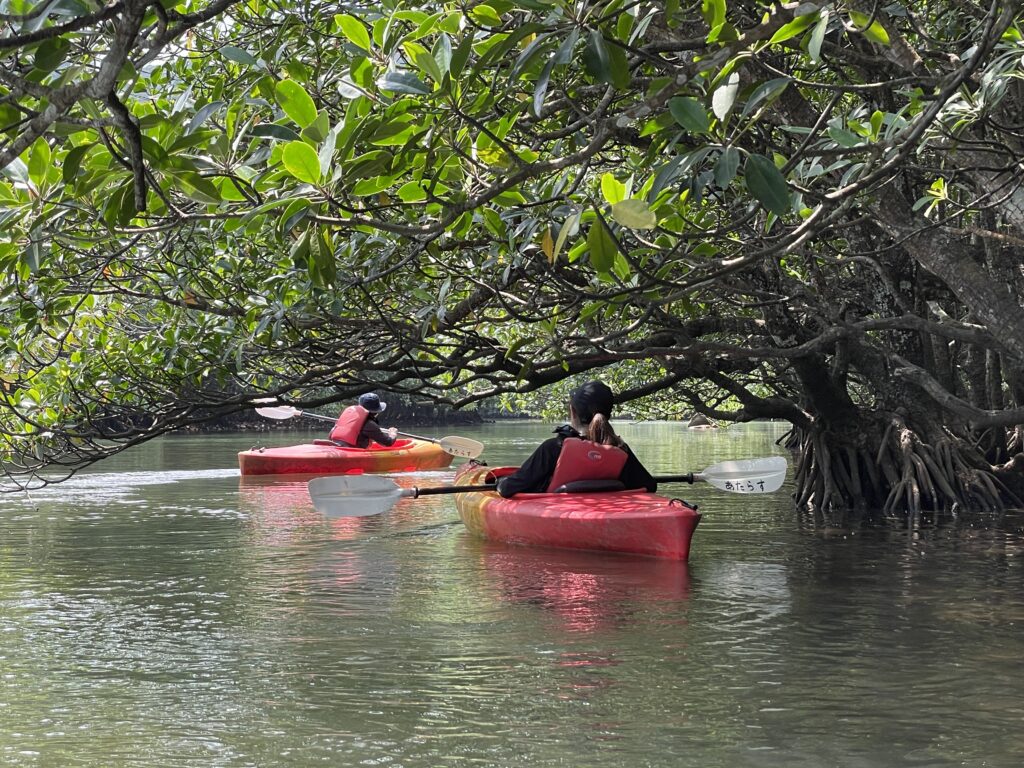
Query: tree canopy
pixel 804 211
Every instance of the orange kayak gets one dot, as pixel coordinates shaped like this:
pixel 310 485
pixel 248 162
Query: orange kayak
pixel 324 458
pixel 634 522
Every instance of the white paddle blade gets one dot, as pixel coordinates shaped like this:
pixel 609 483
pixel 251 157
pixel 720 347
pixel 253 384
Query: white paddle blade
pixel 353 495
pixel 747 475
pixel 463 447
pixel 278 412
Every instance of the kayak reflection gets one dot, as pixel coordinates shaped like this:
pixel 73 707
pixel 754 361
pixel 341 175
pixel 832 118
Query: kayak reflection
pixel 584 591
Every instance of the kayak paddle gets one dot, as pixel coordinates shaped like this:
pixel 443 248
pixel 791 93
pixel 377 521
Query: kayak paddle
pixel 359 495
pixel 462 447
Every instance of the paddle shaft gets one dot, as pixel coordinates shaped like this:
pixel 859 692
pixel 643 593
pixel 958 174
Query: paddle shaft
pixel 331 418
pixel 415 492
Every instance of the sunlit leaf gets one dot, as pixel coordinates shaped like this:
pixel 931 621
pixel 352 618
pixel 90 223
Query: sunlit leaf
pixel 634 213
pixel 301 161
pixel 354 30
pixel 295 102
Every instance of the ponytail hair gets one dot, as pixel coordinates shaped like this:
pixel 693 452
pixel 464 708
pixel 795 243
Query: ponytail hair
pixel 598 430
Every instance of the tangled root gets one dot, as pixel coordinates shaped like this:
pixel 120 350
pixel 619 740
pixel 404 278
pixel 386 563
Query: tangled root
pixel 904 477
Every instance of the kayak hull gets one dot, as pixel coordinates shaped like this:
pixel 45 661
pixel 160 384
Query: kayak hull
pixel 631 522
pixel 324 458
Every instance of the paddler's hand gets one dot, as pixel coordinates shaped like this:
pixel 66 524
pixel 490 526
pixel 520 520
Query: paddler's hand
pixel 392 432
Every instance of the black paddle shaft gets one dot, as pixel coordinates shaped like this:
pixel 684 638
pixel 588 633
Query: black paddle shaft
pixel 687 478
pixel 415 492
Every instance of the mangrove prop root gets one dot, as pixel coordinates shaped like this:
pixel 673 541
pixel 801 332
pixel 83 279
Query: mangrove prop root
pixel 902 476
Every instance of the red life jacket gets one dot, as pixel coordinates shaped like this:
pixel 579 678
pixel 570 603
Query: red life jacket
pixel 585 460
pixel 349 424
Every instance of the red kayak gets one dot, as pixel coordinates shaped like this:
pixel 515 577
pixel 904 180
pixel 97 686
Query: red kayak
pixel 323 457
pixel 634 522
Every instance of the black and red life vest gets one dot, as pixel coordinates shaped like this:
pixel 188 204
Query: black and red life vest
pixel 586 460
pixel 349 424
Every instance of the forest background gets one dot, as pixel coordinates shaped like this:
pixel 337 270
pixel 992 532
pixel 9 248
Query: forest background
pixel 801 211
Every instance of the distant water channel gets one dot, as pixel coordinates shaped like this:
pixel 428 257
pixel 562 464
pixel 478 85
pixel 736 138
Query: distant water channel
pixel 158 610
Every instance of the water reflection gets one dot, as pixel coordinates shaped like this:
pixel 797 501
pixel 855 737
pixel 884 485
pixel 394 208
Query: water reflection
pixel 581 591
pixel 159 611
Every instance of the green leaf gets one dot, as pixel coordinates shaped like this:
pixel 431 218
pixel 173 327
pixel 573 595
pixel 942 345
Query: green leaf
pixel 486 16
pixel 690 114
pixel 240 55
pixel 726 167
pixel 713 12
pixel 602 247
pixel 621 76
pixel 39 161
pixel 612 189
pixel 725 96
pixel 354 30
pixel 412 192
pixel 274 131
pixel 198 187
pixel 295 102
pixel 317 130
pixel 875 32
pixel 50 54
pixel 569 229
pixel 844 138
pixel 795 27
pixel 428 64
pixel 635 214
pixel 203 114
pixel 301 161
pixel 596 60
pixel 818 37
pixel 767 184
pixel 73 160
pixel 403 82
pixel 766 92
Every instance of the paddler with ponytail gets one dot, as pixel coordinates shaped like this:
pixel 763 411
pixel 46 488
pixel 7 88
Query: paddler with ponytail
pixel 585 450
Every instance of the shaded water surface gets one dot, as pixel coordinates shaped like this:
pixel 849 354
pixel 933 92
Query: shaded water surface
pixel 160 610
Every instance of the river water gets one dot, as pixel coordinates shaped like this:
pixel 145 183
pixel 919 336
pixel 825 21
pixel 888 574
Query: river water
pixel 158 610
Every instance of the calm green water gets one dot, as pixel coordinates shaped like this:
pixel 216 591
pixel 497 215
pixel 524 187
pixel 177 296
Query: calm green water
pixel 161 611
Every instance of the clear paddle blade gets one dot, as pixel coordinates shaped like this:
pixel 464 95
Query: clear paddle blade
pixel 462 447
pixel 353 495
pixel 747 475
pixel 278 412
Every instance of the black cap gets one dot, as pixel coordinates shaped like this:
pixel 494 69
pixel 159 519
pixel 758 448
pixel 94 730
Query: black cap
pixel 371 402
pixel 592 398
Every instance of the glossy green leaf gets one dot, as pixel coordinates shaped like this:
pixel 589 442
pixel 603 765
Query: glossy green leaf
pixel 402 82
pixel 295 102
pixel 354 30
pixel 198 187
pixel 725 96
pixel 301 161
pixel 795 27
pixel 818 36
pixel 874 32
pixel 689 113
pixel 713 12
